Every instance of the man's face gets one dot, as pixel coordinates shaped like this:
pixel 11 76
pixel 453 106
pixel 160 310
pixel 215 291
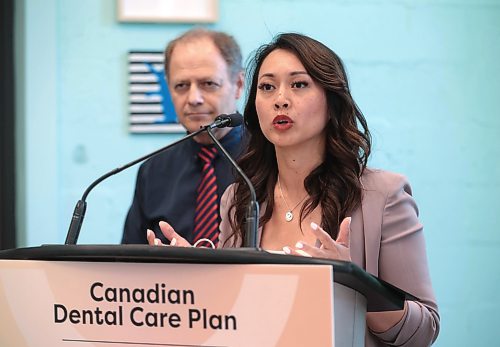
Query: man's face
pixel 201 86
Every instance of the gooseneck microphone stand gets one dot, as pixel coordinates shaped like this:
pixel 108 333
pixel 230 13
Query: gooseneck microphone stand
pixel 81 205
pixel 221 121
pixel 252 217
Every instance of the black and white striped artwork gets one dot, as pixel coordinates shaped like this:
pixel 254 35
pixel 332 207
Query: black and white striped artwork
pixel 150 105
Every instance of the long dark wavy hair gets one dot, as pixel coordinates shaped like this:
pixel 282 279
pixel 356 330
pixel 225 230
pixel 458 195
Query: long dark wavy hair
pixel 335 184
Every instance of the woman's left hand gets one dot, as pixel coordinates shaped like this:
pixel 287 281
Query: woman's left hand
pixel 328 247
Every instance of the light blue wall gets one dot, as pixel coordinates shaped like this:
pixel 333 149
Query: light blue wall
pixel 425 73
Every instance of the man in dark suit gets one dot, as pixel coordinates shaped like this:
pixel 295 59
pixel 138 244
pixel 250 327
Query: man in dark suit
pixel 205 78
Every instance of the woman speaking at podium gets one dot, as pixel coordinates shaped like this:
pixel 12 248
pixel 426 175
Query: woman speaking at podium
pixel 307 154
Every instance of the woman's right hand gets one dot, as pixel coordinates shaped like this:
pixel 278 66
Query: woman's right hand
pixel 169 232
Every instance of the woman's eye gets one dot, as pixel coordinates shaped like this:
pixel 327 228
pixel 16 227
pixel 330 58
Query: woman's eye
pixel 265 87
pixel 300 84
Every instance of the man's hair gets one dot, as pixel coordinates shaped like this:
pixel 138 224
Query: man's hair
pixel 225 43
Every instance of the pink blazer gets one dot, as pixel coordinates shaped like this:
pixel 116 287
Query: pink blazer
pixel 387 241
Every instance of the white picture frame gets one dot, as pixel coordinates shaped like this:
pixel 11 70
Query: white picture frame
pixel 168 11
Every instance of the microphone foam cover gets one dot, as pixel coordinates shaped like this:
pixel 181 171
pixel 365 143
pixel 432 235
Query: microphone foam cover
pixel 236 119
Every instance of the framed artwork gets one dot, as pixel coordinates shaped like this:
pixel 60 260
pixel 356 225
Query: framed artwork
pixel 150 106
pixel 168 11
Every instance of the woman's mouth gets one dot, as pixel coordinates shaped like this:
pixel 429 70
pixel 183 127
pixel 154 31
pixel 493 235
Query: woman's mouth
pixel 282 122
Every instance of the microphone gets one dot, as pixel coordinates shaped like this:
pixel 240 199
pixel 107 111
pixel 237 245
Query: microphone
pixel 227 120
pixel 222 121
pixel 252 217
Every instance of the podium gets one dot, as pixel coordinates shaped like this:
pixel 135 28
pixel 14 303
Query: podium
pixel 138 295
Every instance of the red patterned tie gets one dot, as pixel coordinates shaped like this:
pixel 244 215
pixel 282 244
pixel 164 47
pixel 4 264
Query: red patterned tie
pixel 206 217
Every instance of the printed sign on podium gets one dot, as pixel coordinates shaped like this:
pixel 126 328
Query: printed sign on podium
pixel 66 303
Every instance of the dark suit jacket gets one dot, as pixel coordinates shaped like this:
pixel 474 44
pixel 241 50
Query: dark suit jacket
pixel 387 241
pixel 166 188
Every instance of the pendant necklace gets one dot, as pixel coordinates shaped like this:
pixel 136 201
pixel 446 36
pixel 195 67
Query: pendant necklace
pixel 289 212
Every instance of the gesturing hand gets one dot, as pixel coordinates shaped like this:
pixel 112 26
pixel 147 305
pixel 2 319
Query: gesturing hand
pixel 327 248
pixel 169 232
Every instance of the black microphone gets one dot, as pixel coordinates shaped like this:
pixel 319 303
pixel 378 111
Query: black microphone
pixel 252 217
pixel 222 121
pixel 227 120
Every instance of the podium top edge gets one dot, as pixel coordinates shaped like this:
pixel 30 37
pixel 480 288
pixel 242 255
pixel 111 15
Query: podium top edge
pixel 146 253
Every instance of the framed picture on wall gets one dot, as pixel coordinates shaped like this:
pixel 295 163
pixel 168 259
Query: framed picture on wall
pixel 150 106
pixel 168 11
